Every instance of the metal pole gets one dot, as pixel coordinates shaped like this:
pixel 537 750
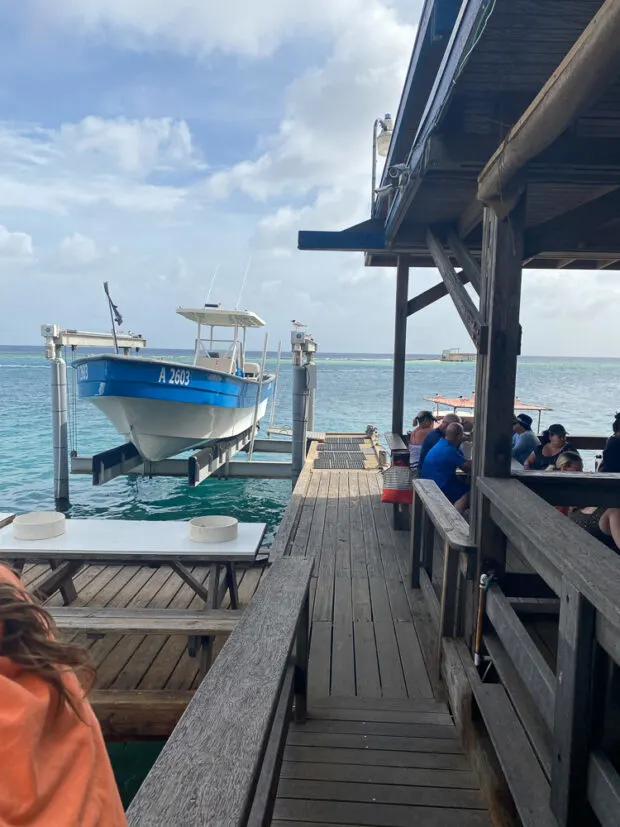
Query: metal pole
pixel 311 395
pixel 400 343
pixel 374 165
pixel 60 429
pixel 258 395
pixel 272 413
pixel 300 417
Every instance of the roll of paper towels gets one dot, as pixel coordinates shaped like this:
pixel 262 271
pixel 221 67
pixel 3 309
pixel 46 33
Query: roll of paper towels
pixel 39 525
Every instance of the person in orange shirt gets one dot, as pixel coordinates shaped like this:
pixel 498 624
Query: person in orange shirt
pixel 54 767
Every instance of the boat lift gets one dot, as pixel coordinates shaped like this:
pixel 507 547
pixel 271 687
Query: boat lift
pixel 215 459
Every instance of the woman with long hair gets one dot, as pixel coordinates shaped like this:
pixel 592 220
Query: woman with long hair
pixel 568 462
pixel 54 767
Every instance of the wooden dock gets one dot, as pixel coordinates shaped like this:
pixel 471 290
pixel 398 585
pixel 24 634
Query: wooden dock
pixel 378 748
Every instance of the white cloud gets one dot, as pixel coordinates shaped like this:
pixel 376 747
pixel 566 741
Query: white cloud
pixel 78 250
pixel 95 161
pixel 243 27
pixel 15 246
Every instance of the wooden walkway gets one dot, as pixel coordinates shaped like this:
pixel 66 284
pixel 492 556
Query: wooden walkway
pixel 378 748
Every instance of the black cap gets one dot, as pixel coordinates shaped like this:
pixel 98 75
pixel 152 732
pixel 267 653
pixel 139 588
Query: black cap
pixel 525 421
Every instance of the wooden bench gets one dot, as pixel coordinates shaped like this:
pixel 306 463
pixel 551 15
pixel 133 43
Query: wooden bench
pixel 199 626
pixel 221 764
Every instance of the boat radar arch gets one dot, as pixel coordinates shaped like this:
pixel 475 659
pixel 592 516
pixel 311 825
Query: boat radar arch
pixel 215 316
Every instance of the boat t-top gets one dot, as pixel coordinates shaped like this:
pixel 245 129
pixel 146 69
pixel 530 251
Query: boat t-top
pixel 165 407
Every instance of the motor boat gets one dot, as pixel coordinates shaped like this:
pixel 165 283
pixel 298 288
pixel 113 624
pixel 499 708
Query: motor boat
pixel 165 407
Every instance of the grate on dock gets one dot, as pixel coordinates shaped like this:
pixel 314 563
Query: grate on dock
pixel 340 459
pixel 345 440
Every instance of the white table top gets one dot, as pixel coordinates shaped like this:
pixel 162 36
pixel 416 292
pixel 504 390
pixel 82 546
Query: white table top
pixel 132 540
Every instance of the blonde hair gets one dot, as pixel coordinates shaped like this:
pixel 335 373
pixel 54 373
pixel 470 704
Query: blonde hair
pixel 26 638
pixel 566 460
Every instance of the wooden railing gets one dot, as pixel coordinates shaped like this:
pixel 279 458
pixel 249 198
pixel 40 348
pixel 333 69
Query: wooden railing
pixel 555 728
pixel 221 764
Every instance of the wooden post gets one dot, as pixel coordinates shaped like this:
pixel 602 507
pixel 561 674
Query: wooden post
pixel 572 707
pixel 496 371
pixel 400 344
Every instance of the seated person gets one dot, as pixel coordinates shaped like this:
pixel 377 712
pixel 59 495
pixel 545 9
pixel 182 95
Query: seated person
pixel 611 454
pixel 435 435
pixel 602 523
pixel 55 767
pixel 441 464
pixel 570 462
pixel 552 444
pixel 524 440
pixel 425 422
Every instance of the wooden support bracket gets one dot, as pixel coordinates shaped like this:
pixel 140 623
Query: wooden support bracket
pixel 470 266
pixel 467 310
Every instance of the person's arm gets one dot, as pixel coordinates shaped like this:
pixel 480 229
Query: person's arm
pixel 466 466
pixel 530 460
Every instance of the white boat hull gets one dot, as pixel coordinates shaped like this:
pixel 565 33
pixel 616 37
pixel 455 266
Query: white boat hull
pixel 160 428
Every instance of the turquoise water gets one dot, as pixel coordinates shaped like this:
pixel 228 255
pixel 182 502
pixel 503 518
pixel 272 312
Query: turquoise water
pixel 353 392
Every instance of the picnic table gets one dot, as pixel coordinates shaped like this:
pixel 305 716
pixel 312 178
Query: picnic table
pixel 128 542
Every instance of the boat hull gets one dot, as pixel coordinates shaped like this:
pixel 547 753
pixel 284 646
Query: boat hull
pixel 165 408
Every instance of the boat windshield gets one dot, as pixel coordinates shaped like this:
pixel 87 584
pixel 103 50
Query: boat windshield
pixel 219 354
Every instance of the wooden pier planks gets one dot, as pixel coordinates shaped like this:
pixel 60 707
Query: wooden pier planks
pixel 377 750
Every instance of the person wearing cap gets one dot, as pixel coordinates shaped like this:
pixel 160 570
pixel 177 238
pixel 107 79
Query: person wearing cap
pixel 552 444
pixel 524 440
pixel 425 422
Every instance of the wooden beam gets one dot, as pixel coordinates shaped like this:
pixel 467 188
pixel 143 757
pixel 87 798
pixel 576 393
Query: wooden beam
pixel 400 344
pixel 467 310
pixel 142 714
pixel 430 296
pixel 471 217
pixel 586 72
pixel 580 490
pixel 562 232
pixel 470 266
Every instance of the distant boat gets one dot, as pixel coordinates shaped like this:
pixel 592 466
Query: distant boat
pixel 166 407
pixel 453 354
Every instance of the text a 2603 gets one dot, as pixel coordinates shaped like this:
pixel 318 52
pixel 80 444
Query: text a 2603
pixel 174 376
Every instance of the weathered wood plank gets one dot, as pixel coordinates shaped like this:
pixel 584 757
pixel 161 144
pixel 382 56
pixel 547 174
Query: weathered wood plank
pixel 146 621
pixel 604 789
pixel 399 729
pixel 526 709
pixel 412 659
pixel 368 683
pixel 375 758
pixel 286 529
pixel 343 529
pixel 373 742
pixel 362 608
pixel 371 543
pixel 319 667
pixel 380 715
pixel 300 536
pixel 343 660
pixel 358 554
pixel 373 793
pixel 209 765
pixel 406 777
pixel 525 778
pixel 386 704
pixel 535 674
pixel 572 707
pixel 138 714
pixel 328 812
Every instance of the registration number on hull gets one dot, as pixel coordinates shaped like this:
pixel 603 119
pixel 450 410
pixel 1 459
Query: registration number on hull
pixel 174 376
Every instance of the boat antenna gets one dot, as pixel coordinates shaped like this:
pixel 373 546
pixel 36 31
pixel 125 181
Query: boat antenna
pixel 115 316
pixel 245 276
pixel 215 272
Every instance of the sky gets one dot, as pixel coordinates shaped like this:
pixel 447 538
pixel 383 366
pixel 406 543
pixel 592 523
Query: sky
pixel 155 143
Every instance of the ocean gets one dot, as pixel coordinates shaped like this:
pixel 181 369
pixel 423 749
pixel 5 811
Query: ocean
pixel 353 391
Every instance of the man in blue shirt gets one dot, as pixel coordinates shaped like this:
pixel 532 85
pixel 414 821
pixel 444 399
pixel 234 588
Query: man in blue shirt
pixel 524 440
pixel 435 435
pixel 441 465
